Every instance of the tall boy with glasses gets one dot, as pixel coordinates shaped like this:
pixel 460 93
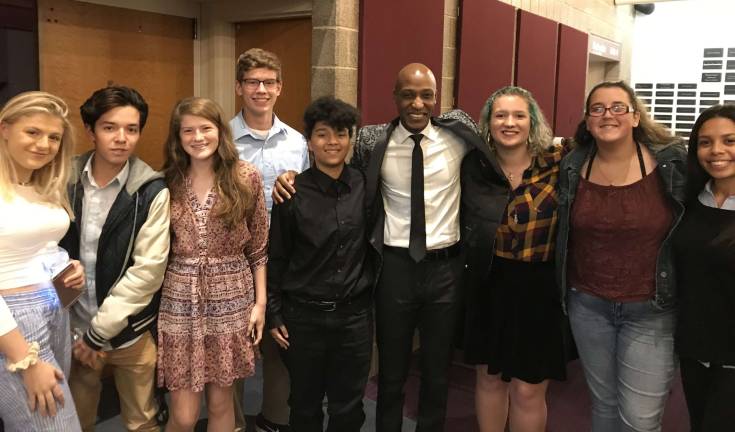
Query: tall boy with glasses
pixel 274 147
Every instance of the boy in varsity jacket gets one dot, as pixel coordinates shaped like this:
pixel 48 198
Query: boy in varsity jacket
pixel 121 235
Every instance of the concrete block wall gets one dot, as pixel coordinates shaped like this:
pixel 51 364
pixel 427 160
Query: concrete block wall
pixel 334 49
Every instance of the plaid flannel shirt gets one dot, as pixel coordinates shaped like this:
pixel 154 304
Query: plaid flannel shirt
pixel 528 229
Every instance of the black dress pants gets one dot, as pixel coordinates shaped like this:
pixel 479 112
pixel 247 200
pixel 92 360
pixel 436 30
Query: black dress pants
pixel 329 353
pixel 710 396
pixel 410 296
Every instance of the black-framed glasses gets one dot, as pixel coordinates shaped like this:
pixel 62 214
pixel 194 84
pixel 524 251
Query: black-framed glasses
pixel 598 110
pixel 252 83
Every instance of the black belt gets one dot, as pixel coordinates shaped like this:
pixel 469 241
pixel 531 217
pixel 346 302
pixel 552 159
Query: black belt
pixel 433 254
pixel 362 299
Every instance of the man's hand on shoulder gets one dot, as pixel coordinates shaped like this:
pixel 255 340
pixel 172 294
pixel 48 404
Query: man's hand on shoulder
pixel 283 189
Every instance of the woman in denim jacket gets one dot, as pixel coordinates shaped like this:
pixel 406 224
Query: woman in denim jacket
pixel 620 196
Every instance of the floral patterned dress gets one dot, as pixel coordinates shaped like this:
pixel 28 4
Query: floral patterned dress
pixel 208 290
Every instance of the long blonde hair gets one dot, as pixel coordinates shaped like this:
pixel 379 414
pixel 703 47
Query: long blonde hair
pixel 235 197
pixel 49 181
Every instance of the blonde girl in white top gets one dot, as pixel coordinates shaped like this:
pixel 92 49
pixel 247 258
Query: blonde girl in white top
pixel 36 144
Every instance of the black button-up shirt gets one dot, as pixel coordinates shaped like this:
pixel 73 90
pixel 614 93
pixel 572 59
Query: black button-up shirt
pixel 318 250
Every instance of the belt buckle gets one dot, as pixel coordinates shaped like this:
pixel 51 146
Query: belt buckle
pixel 327 306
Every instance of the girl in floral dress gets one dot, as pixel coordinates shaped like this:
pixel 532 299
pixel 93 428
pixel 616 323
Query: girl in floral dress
pixel 213 303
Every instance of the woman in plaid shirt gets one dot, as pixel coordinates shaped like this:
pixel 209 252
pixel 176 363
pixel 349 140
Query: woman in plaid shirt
pixel 514 327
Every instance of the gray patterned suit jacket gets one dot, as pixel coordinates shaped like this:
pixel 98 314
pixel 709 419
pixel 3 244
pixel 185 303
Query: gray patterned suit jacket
pixel 369 150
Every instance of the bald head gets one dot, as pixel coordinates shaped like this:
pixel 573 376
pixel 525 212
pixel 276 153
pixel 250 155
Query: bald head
pixel 415 96
pixel 414 71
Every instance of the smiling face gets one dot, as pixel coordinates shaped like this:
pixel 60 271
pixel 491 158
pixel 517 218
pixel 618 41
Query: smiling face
pixel 32 142
pixel 716 149
pixel 510 122
pixel 415 97
pixel 115 135
pixel 199 137
pixel 610 128
pixel 329 145
pixel 259 98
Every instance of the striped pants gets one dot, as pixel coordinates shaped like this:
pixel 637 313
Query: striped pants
pixel 40 318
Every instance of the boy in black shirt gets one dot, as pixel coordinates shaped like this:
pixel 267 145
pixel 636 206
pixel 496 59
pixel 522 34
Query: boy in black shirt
pixel 320 278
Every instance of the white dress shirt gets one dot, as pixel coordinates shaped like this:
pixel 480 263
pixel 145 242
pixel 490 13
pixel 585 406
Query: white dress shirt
pixel 443 153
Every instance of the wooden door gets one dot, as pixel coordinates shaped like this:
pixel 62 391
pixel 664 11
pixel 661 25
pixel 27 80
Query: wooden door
pixel 84 46
pixel 290 40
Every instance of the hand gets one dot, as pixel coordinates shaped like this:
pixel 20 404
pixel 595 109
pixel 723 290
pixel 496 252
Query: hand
pixel 280 334
pixel 283 188
pixel 75 278
pixel 257 321
pixel 42 388
pixel 86 355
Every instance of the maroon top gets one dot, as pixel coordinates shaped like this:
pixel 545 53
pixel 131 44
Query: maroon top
pixel 616 233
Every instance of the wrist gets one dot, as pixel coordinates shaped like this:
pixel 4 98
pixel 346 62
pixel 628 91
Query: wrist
pixel 26 362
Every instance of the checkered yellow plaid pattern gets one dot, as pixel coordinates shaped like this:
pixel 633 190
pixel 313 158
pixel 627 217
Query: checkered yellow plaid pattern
pixel 528 229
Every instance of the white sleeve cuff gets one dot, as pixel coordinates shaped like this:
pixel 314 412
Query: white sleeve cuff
pixel 7 322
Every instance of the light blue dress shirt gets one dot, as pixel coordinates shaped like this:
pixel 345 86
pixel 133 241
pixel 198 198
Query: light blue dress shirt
pixel 284 149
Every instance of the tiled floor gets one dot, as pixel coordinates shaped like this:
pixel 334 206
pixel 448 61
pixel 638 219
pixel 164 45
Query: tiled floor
pixel 568 404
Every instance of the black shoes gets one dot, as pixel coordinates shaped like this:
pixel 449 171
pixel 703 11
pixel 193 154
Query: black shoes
pixel 264 425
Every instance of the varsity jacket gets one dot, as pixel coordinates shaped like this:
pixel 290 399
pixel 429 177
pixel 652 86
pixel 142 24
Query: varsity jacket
pixel 131 255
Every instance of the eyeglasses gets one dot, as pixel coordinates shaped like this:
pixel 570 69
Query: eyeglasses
pixel 617 109
pixel 252 83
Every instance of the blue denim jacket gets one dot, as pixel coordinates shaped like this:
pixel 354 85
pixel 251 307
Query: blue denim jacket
pixel 672 169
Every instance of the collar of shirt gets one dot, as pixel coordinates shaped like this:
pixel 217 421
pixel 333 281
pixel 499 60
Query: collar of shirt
pixel 401 134
pixel 242 129
pixel 327 184
pixel 121 177
pixel 707 197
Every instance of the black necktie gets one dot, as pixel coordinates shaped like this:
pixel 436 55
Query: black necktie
pixel 417 241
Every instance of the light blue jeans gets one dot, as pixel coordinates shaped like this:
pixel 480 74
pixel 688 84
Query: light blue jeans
pixel 627 352
pixel 40 318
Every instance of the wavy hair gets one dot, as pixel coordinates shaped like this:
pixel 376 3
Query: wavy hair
pixel 235 197
pixel 697 176
pixel 539 135
pixel 49 181
pixel 648 132
pixel 257 58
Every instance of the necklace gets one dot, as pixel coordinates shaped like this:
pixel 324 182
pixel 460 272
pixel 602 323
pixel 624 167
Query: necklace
pixel 510 175
pixel 28 183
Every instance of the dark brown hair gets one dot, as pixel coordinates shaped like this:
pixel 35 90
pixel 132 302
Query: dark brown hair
pixel 107 98
pixel 697 177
